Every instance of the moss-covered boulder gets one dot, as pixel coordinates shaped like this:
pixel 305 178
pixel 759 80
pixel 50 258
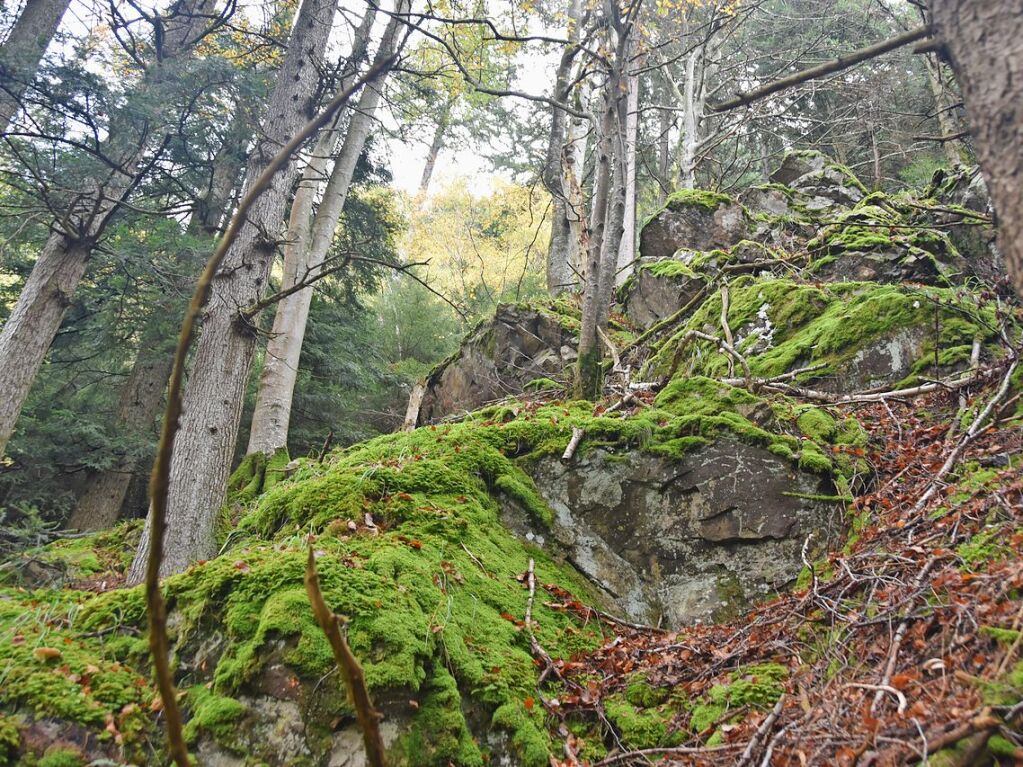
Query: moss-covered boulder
pixel 854 336
pixel 521 344
pixel 693 219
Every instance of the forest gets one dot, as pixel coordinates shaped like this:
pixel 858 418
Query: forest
pixel 573 382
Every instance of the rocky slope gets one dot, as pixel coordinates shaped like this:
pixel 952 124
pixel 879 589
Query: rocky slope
pixel 735 557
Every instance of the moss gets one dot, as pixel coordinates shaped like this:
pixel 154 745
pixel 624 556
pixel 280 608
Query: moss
pixel 982 549
pixel 1005 636
pixel 79 558
pixel 542 384
pixel 757 686
pixel 817 424
pixel 696 198
pixel 275 468
pixel 824 326
pixel 439 733
pixel 213 714
pixel 642 727
pixel 10 741
pixel 246 482
pixel 61 757
pixel 641 694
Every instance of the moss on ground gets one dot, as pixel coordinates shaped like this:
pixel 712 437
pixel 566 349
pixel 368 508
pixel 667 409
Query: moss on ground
pixel 696 198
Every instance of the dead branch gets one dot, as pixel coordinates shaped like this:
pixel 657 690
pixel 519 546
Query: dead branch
pixel 967 438
pixel 666 751
pixel 762 730
pixel 725 328
pixel 573 444
pixel 830 67
pixel 415 403
pixel 159 484
pixel 355 679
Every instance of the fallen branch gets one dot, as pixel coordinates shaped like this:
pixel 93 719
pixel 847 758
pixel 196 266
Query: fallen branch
pixel 355 679
pixel 830 67
pixel 762 730
pixel 617 360
pixel 666 751
pixel 966 439
pixel 573 444
pixel 725 328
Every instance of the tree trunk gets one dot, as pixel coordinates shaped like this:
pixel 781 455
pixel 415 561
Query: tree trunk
pixel 272 414
pixel 215 390
pixel 984 43
pixel 588 379
pixel 948 123
pixel 99 507
pixel 559 271
pixel 32 325
pixel 627 238
pixel 439 134
pixel 23 50
pixel 664 156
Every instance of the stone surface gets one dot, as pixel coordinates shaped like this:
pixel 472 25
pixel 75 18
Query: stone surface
pixel 692 227
pixel 498 359
pixel 649 297
pixel 676 541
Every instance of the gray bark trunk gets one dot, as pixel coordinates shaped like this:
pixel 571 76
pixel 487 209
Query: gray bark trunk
pixel 32 325
pixel 214 393
pixel 439 134
pixel 23 50
pixel 984 42
pixel 271 417
pixel 627 237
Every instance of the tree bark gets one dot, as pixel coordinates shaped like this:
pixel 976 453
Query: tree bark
pixel 439 134
pixel 559 270
pixel 23 50
pixel 947 121
pixel 309 244
pixel 32 325
pixel 627 238
pixel 984 44
pixel 214 394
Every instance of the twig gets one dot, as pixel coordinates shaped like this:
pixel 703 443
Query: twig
pixel 617 360
pixel 573 444
pixel 326 446
pixel 355 679
pixel 666 751
pixel 966 439
pixel 159 484
pixel 900 634
pixel 883 688
pixel 724 325
pixel 762 730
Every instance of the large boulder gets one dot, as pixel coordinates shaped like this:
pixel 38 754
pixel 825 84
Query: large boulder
pixel 693 219
pixel 678 541
pixel 521 344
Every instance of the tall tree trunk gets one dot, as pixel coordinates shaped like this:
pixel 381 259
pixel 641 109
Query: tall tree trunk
pixel 559 270
pixel 214 393
pixel 664 156
pixel 138 405
pixel 23 50
pixel 303 258
pixel 948 123
pixel 588 378
pixel 984 43
pixel 102 501
pixel 32 325
pixel 439 134
pixel 691 118
pixel 627 238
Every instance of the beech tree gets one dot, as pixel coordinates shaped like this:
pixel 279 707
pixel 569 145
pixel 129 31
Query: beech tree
pixel 214 392
pixel 984 43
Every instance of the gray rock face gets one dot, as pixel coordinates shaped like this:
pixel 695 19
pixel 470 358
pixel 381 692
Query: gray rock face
pixel 676 541
pixel 504 354
pixel 650 298
pixel 692 227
